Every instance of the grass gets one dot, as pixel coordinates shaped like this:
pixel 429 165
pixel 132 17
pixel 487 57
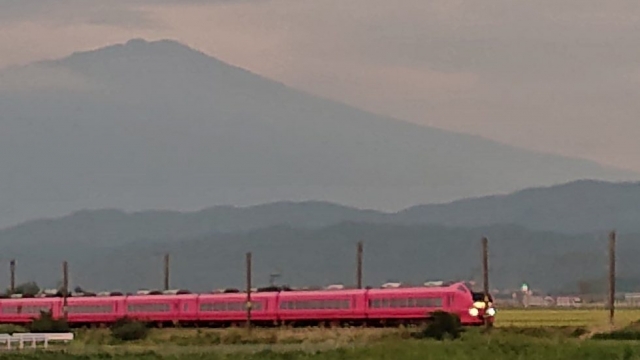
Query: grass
pixel 239 336
pixel 473 346
pixel 551 317
pixel 519 334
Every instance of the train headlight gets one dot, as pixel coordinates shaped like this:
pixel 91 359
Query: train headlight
pixel 491 311
pixel 474 312
pixel 479 304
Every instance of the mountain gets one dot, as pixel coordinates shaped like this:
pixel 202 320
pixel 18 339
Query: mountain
pixel 321 256
pixel 111 228
pixel 576 207
pixel 159 125
pixel 558 237
pixel 572 208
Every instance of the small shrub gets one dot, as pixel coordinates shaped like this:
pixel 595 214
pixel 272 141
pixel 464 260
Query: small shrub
pixel 578 332
pixel 212 338
pixel 94 336
pixel 232 337
pixel 443 325
pixel 129 330
pixel 12 329
pixel 545 332
pixel 47 324
pixel 618 335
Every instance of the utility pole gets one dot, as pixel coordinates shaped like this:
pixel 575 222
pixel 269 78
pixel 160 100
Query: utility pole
pixel 166 271
pixel 12 268
pixel 65 287
pixel 485 275
pixel 612 275
pixel 359 265
pixel 248 270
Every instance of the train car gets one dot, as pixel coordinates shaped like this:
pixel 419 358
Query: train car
pixel 162 308
pixel 24 310
pixel 416 304
pixel 410 305
pixel 230 308
pixel 330 306
pixel 95 310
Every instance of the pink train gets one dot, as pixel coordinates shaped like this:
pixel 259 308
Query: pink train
pixel 370 306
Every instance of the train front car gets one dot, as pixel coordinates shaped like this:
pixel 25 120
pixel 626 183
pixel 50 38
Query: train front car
pixel 471 306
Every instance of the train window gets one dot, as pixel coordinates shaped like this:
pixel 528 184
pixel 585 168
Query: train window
pixel 332 304
pixel 29 309
pixel 185 307
pixel 429 302
pixel 89 309
pixel 35 309
pixel 316 304
pixel 405 303
pixel 148 308
pixel 232 306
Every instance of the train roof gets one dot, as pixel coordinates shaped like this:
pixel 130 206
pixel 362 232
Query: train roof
pixel 160 297
pixel 445 288
pixel 233 296
pixel 25 300
pixel 321 293
pixel 94 299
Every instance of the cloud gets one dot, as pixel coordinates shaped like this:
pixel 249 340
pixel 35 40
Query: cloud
pixel 69 12
pixel 129 13
pixel 505 39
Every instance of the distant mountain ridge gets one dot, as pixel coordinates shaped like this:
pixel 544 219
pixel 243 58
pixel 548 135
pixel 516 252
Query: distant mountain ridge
pixel 160 125
pixel 576 207
pixel 551 237
pixel 583 206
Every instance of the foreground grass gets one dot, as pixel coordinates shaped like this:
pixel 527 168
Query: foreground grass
pixel 474 346
pixel 519 334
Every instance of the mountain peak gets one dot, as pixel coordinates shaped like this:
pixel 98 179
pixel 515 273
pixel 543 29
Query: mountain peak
pixel 139 42
pixel 141 54
pixel 166 45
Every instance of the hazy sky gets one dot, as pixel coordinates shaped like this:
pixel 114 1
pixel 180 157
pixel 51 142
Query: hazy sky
pixel 556 76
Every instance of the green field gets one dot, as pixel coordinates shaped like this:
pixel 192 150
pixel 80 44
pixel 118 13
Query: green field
pixel 597 319
pixel 518 334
